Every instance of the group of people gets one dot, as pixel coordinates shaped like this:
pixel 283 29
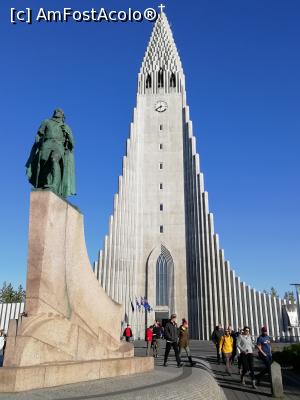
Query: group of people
pixel 230 344
pixel 153 336
pixel 177 338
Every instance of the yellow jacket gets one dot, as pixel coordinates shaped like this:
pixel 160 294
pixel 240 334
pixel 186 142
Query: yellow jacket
pixel 226 344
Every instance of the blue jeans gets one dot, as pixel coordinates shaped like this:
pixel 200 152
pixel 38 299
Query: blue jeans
pixel 267 360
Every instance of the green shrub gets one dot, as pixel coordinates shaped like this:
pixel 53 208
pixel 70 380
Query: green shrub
pixel 289 357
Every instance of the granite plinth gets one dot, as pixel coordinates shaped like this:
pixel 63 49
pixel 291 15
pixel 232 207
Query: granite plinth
pixel 16 379
pixel 71 326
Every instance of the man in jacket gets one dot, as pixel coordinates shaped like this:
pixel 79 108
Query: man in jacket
pixel 264 353
pixel 171 336
pixel 216 338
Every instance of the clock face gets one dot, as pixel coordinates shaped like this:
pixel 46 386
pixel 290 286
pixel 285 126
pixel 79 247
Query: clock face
pixel 161 106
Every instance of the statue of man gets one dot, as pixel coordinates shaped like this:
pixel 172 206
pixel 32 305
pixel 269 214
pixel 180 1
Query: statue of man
pixel 51 161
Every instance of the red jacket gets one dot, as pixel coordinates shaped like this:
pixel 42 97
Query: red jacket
pixel 149 335
pixel 127 332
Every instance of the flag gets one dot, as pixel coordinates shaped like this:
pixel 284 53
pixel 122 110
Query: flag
pixel 132 306
pixel 137 304
pixel 146 304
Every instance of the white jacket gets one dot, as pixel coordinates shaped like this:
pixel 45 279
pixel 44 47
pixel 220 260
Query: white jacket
pixel 245 344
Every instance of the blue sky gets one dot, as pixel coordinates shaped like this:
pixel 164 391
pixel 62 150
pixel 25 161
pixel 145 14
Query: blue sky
pixel 242 65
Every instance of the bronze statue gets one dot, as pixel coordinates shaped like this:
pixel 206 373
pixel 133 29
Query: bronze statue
pixel 51 161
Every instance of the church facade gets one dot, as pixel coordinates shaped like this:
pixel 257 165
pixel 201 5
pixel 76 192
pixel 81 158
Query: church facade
pixel 161 245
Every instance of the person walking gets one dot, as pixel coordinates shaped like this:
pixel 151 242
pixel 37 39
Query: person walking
pixel 184 341
pixel 226 347
pixel 238 352
pixel 157 333
pixel 234 335
pixel 216 337
pixel 171 336
pixel 148 338
pixel 2 345
pixel 246 346
pixel 264 353
pixel 127 333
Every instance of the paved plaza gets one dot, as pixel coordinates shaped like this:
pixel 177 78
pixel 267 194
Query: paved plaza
pixel 185 383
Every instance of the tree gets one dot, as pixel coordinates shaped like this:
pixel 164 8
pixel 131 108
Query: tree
pixel 274 293
pixel 20 294
pixel 9 295
pixel 290 297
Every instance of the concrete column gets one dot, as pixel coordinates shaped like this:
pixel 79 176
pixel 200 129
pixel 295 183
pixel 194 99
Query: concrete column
pixel 259 313
pixel 201 259
pixel 225 288
pixel 270 314
pixel 244 302
pixel 264 309
pixel 219 289
pixel 215 294
pixel 275 316
pixel 233 299
pixel 239 302
pixel 208 265
pixel 255 328
pixel 106 272
pixel 229 291
pixel 250 308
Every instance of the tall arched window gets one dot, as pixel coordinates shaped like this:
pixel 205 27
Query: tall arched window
pixel 148 81
pixel 161 78
pixel 173 80
pixel 162 282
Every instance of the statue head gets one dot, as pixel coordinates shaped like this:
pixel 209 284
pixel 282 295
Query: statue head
pixel 58 113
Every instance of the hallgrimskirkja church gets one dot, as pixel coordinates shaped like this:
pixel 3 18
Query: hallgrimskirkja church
pixel 161 246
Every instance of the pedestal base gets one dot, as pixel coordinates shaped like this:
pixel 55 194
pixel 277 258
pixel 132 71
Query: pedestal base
pixel 17 379
pixel 71 330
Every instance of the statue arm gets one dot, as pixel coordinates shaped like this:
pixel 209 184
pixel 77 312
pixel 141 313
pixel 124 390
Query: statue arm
pixel 41 132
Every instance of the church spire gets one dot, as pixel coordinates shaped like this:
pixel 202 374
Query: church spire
pixel 161 67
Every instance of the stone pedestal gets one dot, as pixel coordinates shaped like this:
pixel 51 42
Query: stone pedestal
pixel 72 329
pixel 276 380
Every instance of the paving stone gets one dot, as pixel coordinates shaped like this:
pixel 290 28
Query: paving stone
pixel 169 383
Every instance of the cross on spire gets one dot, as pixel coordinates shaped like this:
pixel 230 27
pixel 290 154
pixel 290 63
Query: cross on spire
pixel 161 7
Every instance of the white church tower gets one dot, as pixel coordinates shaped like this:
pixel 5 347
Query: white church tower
pixel 161 243
pixel 144 253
